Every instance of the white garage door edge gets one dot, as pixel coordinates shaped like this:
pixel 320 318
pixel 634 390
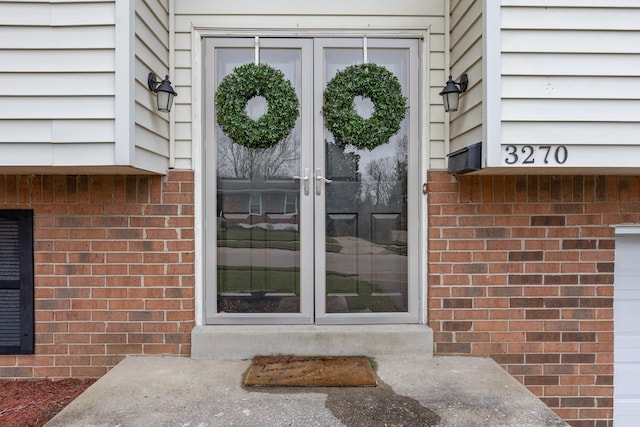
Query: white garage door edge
pixel 626 306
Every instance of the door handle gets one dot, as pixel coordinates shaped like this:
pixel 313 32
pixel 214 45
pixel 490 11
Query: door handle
pixel 319 179
pixel 304 179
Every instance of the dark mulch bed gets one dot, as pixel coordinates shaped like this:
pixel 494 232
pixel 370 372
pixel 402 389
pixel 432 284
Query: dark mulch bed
pixel 33 403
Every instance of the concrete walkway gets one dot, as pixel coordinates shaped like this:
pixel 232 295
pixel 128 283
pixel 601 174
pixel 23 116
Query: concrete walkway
pixel 173 391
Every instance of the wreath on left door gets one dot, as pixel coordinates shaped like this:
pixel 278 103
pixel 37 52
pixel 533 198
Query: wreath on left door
pixel 244 83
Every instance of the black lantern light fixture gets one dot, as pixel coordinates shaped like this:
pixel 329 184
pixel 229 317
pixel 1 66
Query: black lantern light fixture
pixel 451 92
pixel 164 92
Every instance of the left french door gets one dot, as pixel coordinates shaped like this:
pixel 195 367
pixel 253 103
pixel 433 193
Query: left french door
pixel 263 223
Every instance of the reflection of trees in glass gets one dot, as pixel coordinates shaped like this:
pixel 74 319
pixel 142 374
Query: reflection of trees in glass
pixel 399 191
pixel 381 188
pixel 341 165
pixel 238 161
pixel 343 169
pixel 384 191
pixel 380 182
pixel 386 179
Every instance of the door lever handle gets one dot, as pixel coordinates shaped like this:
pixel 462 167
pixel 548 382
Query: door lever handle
pixel 304 179
pixel 319 179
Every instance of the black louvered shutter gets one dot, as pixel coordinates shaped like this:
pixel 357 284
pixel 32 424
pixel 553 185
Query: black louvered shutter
pixel 16 282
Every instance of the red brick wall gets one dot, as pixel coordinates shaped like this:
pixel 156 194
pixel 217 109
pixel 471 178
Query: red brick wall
pixel 114 272
pixel 521 270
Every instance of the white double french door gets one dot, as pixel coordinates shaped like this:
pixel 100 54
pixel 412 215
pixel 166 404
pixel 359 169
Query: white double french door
pixel 308 230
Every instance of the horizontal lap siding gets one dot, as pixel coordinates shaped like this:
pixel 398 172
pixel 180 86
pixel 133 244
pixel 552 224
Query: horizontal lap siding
pixel 57 66
pixel 466 57
pixel 151 55
pixel 300 16
pixel 569 73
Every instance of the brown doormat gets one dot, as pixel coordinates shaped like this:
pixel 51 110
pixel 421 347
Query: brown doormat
pixel 310 371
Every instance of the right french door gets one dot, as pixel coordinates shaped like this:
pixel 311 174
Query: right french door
pixel 314 231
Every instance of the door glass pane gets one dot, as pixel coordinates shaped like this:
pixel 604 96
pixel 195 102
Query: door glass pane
pixel 258 241
pixel 366 206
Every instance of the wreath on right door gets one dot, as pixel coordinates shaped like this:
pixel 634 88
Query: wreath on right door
pixel 368 81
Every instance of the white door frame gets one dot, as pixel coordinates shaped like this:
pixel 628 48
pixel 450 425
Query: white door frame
pixel 197 123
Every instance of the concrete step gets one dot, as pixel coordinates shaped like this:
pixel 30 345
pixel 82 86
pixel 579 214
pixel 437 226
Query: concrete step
pixel 179 391
pixel 246 341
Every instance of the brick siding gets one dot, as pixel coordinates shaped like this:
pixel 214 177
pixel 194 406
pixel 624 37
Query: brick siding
pixel 521 270
pixel 114 270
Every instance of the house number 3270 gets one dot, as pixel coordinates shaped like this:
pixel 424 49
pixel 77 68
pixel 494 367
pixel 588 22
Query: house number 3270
pixel 535 154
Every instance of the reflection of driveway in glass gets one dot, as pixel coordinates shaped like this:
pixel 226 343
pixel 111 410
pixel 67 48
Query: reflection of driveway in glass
pixel 367 266
pixel 355 245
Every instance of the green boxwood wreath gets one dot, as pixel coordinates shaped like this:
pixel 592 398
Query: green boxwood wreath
pixel 369 81
pixel 237 88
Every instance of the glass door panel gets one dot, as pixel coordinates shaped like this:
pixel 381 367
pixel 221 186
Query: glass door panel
pixel 362 220
pixel 260 211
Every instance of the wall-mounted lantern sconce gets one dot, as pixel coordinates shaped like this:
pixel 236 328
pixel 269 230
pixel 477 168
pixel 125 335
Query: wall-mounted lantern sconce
pixel 451 92
pixel 164 92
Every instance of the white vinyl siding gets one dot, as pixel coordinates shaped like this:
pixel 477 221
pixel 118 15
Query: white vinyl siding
pixel 466 57
pixel 75 95
pixel 547 76
pixel 57 63
pixel 294 17
pixel 569 77
pixel 151 133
